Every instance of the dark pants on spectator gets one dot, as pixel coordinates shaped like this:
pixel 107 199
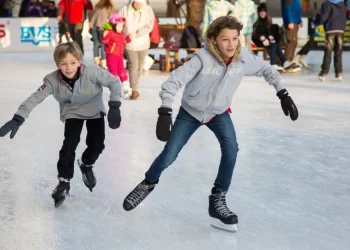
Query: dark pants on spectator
pixel 307 47
pixel 334 41
pixel 76 31
pixel 274 51
pixel 94 141
pixel 292 42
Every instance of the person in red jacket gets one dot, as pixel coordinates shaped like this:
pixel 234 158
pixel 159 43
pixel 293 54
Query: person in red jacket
pixel 114 40
pixel 75 12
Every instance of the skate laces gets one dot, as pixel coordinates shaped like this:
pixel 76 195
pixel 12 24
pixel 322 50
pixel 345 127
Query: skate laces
pixel 139 194
pixel 63 186
pixel 221 205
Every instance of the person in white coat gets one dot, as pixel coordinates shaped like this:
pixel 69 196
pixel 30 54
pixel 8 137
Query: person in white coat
pixel 139 24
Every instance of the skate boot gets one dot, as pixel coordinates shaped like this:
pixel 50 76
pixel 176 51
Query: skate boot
pixel 60 192
pixel 88 175
pixel 127 90
pixel 222 217
pixel 136 196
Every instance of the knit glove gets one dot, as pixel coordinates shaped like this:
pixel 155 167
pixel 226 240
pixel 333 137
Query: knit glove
pixel 287 104
pixel 12 126
pixel 164 124
pixel 265 41
pixel 113 116
pixel 272 39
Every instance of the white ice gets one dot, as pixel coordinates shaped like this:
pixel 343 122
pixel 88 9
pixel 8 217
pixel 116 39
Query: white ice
pixel 290 189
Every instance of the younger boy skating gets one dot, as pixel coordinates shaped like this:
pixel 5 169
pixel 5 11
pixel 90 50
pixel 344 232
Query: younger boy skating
pixel 78 90
pixel 211 77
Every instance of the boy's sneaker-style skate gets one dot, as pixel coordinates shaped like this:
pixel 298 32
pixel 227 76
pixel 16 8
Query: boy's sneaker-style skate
pixel 127 90
pixel 60 192
pixel 136 196
pixel 88 175
pixel 222 217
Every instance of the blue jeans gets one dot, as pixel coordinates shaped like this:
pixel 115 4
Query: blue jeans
pixel 96 37
pixel 185 125
pixel 274 51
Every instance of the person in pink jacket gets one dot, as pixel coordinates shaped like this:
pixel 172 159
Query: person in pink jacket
pixel 114 40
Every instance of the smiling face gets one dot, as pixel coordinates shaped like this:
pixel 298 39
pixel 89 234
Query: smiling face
pixel 119 27
pixel 227 42
pixel 69 66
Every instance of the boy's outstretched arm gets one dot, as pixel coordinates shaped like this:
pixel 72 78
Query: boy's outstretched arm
pixel 106 79
pixel 261 68
pixel 179 77
pixel 25 108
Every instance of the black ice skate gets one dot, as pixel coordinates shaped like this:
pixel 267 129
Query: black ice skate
pixel 136 196
pixel 222 217
pixel 88 175
pixel 60 192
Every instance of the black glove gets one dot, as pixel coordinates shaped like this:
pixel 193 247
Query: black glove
pixel 113 116
pixel 12 126
pixel 287 104
pixel 164 124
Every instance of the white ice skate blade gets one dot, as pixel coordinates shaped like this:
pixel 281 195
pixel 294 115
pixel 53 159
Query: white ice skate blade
pixel 217 224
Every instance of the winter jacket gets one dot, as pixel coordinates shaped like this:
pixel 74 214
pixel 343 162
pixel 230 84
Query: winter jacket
pixel 210 85
pixel 34 10
pixel 214 9
pixel 100 17
pixel 114 42
pixel 155 34
pixel 139 23
pixel 332 16
pixel 247 16
pixel 262 27
pixel 82 102
pixel 291 12
pixel 75 10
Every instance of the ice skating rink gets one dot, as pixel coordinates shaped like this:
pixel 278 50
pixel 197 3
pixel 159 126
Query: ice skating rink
pixel 290 189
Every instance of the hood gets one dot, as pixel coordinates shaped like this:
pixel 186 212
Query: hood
pixel 213 49
pixel 245 3
pixel 336 1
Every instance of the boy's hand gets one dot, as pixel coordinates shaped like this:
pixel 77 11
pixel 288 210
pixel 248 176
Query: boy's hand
pixel 291 26
pixel 12 126
pixel 288 105
pixel 164 124
pixel 113 116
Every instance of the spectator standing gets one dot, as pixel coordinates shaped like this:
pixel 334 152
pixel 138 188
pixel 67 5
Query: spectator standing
pixel 291 14
pixel 102 12
pixel 139 24
pixel 75 12
pixel 333 17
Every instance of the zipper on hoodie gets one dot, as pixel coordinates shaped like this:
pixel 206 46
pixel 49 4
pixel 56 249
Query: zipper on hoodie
pixel 215 93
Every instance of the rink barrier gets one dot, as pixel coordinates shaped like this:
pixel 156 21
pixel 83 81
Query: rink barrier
pixel 41 34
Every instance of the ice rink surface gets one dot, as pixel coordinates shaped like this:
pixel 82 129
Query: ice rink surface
pixel 290 189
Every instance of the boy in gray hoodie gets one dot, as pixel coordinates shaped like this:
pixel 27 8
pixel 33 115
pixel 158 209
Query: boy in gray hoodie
pixel 78 90
pixel 211 79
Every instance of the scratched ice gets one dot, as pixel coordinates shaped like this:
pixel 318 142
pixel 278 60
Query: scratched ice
pixel 291 186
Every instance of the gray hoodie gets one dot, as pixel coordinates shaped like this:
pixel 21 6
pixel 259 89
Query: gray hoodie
pixel 210 85
pixel 84 102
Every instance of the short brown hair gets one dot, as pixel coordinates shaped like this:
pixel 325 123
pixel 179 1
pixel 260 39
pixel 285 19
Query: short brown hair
pixel 221 23
pixel 63 49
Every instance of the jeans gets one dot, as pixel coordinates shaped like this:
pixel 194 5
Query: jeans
pixel 333 41
pixel 185 125
pixel 94 140
pixel 274 51
pixel 96 34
